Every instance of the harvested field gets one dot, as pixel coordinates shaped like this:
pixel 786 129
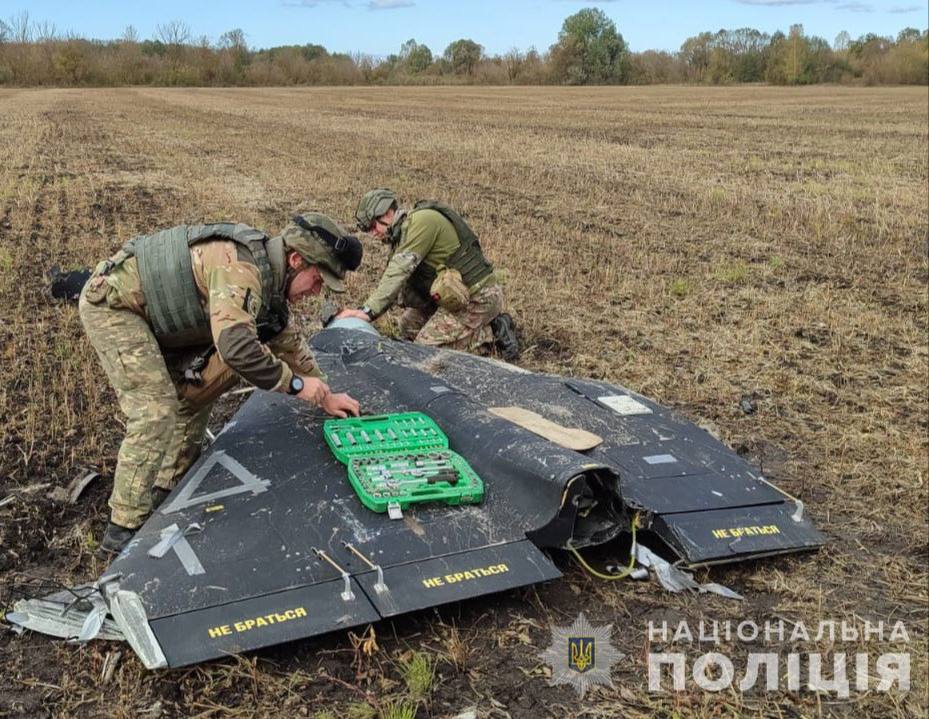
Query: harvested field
pixel 700 246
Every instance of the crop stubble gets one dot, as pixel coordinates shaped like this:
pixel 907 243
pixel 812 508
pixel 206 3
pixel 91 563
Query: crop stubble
pixel 697 245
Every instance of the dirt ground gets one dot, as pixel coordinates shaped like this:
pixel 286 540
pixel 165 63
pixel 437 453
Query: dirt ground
pixel 700 246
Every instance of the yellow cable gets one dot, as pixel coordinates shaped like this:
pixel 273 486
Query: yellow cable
pixel 600 575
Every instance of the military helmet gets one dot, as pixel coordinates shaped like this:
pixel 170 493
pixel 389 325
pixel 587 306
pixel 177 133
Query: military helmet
pixel 321 241
pixel 373 204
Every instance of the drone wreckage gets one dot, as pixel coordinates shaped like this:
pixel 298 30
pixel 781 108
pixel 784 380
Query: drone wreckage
pixel 264 541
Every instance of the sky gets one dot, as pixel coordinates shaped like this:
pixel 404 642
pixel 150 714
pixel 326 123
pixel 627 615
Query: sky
pixel 378 27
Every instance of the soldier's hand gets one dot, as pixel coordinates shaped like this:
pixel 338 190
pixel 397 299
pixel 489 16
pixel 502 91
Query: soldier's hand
pixel 340 405
pixel 357 314
pixel 314 391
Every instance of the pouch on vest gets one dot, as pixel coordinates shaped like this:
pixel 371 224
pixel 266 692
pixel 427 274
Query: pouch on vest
pixel 96 289
pixel 449 291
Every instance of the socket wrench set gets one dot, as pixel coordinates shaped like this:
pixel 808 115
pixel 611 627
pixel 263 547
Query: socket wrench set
pixel 396 460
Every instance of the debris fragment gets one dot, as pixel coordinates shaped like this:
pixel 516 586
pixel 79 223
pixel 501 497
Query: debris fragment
pixel 109 666
pixel 675 579
pixel 60 615
pixel 74 490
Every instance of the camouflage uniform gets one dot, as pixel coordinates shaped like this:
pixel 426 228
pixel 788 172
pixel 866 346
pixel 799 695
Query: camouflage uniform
pixel 426 236
pixel 167 417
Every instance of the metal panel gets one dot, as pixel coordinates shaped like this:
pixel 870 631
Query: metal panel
pixel 730 534
pixel 458 576
pixel 252 623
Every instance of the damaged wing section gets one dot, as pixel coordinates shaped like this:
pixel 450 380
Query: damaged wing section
pixel 704 502
pixel 265 541
pixel 79 614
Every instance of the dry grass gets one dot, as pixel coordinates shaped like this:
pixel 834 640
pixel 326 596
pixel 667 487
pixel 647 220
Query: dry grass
pixel 694 244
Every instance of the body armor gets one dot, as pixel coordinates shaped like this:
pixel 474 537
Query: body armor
pixel 468 259
pixel 172 302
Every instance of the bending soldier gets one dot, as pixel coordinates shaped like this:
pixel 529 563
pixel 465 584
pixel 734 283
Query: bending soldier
pixel 178 316
pixel 438 273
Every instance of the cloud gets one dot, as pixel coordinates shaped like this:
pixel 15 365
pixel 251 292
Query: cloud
pixel 780 3
pixel 389 4
pixel 853 6
pixel 370 4
pixel 313 3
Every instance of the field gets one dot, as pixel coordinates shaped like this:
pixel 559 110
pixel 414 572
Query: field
pixel 700 246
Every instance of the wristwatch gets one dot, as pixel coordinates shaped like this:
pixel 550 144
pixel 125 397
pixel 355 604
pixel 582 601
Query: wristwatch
pixel 296 385
pixel 368 312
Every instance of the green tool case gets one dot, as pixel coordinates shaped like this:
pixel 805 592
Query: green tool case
pixel 395 460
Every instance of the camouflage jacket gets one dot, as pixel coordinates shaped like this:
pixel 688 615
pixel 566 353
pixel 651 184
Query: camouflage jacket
pixel 229 286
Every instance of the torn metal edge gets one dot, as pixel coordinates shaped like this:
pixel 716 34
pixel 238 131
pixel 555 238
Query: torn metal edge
pixel 129 614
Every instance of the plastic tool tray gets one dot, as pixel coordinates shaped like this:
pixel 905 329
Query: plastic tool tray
pixel 395 460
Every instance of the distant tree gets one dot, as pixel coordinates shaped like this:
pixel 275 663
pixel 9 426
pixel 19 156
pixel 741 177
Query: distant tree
pixel 463 55
pixel 312 52
pixel 173 33
pixel 842 41
pixel 589 50
pixel 748 48
pixel 514 60
pixel 235 53
pixel 45 31
pixel 526 68
pixel 71 63
pixel 655 66
pixel 908 34
pixel 126 65
pixel 415 57
pixel 788 58
pixel 174 36
pixel 799 59
pixel 152 48
pixel 367 66
pixel 233 40
pixel 879 60
pixel 728 56
pixel 21 28
pixel 695 54
pixel 870 46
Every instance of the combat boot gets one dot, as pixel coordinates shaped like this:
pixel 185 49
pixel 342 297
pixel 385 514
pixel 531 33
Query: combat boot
pixel 504 329
pixel 159 495
pixel 115 538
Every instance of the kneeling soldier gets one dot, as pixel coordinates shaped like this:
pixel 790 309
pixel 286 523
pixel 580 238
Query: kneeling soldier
pixel 438 272
pixel 178 316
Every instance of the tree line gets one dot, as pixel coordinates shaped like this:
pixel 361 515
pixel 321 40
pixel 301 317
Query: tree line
pixel 589 50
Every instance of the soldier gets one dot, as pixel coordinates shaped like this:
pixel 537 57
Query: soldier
pixel 439 274
pixel 178 316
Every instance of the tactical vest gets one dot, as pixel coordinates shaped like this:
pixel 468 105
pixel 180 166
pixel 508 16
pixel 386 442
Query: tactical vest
pixel 172 302
pixel 468 259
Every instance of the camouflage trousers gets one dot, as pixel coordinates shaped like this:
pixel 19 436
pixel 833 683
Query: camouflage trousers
pixel 165 421
pixel 468 330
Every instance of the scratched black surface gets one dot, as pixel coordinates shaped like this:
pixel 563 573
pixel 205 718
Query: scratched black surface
pixel 706 486
pixel 261 545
